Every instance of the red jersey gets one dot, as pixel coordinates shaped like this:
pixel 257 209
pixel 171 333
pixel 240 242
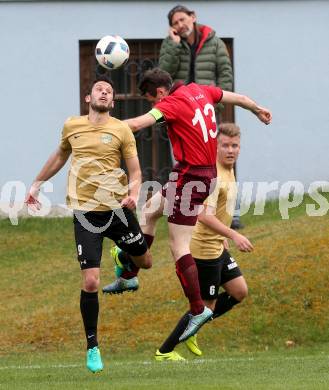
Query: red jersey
pixel 190 116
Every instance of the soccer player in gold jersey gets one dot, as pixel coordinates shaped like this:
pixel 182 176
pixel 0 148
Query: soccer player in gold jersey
pixel 98 194
pixel 216 267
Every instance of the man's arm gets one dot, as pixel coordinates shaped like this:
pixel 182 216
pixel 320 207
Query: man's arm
pixel 135 180
pixel 54 163
pixel 139 122
pixel 263 114
pixel 208 218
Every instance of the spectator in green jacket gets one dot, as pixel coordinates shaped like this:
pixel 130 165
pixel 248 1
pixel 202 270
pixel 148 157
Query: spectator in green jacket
pixel 193 53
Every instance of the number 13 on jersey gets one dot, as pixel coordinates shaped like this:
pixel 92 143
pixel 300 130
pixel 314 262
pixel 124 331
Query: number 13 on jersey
pixel 199 117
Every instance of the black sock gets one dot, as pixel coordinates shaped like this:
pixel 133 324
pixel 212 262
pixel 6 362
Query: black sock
pixel 173 339
pixel 126 260
pixel 224 303
pixel 89 308
pixel 130 269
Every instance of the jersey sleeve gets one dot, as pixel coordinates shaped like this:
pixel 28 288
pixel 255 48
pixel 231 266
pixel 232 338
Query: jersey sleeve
pixel 214 93
pixel 157 114
pixel 168 108
pixel 128 147
pixel 65 144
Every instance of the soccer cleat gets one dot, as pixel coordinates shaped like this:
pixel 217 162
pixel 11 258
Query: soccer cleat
pixel 160 357
pixel 118 268
pixel 195 323
pixel 192 345
pixel 121 285
pixel 94 360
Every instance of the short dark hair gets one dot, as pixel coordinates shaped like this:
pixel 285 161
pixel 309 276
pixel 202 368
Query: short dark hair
pixel 104 78
pixel 179 8
pixel 153 79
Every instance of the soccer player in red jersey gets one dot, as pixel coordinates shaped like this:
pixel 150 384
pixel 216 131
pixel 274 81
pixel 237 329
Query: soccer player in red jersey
pixel 189 113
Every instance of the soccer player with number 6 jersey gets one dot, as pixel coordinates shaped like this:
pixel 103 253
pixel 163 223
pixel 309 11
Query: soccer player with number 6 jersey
pixel 189 113
pixel 216 267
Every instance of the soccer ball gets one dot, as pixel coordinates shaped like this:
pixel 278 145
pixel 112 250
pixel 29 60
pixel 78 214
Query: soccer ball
pixel 112 52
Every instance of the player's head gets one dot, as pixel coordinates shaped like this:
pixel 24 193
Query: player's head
pixel 155 84
pixel 182 20
pixel 101 94
pixel 228 147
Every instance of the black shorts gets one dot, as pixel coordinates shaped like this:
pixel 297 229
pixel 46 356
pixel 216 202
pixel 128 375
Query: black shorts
pixel 215 273
pixel 91 227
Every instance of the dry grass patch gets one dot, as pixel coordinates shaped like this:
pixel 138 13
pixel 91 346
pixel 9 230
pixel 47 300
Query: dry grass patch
pixel 287 276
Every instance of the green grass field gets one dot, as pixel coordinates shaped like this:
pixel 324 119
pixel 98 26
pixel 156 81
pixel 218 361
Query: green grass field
pixel 42 341
pixel 294 369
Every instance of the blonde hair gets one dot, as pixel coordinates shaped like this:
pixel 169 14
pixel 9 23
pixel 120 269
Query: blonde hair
pixel 229 129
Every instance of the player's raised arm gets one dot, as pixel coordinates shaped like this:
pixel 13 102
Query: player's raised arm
pixel 140 122
pixel 263 114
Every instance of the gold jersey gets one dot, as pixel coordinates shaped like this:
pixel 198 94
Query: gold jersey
pixel 95 180
pixel 206 243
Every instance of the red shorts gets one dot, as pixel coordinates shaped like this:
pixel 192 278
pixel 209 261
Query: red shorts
pixel 186 190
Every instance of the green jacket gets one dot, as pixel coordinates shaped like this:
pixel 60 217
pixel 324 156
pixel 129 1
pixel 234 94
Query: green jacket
pixel 212 62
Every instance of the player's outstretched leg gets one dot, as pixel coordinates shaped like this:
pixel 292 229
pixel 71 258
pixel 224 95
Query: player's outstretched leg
pixel 166 351
pixel 187 273
pixel 195 323
pixel 89 307
pixel 224 303
pixel 94 360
